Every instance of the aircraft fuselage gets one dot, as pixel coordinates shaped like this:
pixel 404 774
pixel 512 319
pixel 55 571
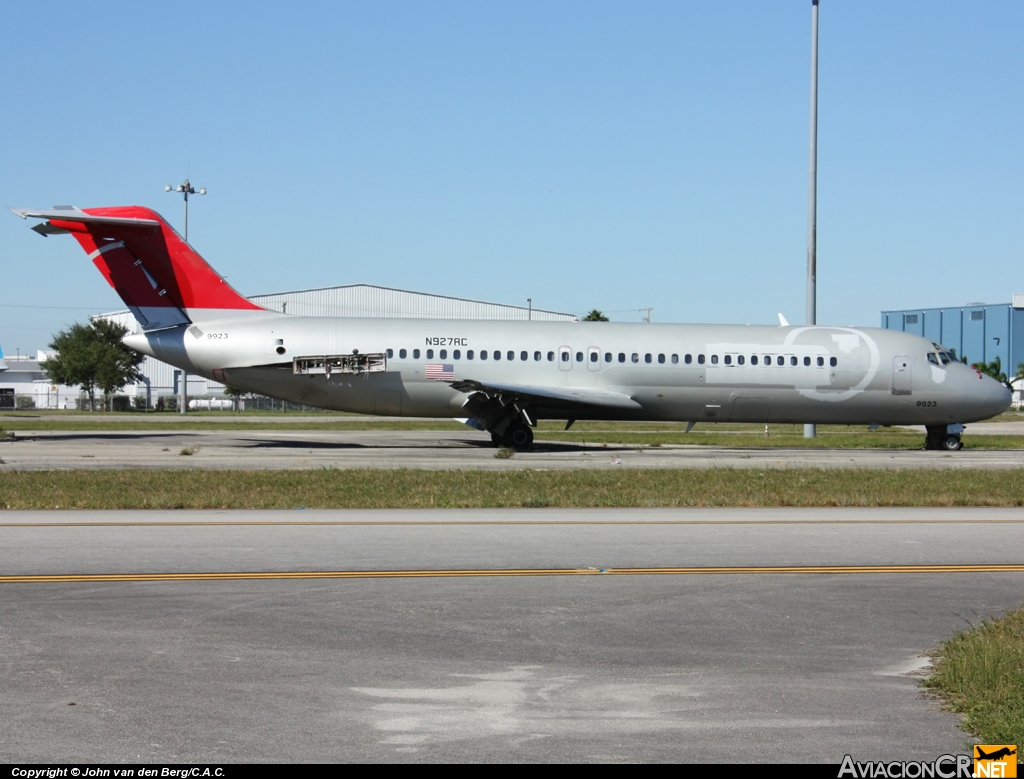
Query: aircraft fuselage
pixel 712 373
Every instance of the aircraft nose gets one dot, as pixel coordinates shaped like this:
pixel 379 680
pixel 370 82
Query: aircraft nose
pixel 994 396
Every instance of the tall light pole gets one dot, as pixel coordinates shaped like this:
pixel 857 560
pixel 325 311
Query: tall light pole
pixel 529 311
pixel 812 194
pixel 187 189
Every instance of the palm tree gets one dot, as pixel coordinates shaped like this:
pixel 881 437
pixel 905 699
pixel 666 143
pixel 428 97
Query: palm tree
pixel 595 316
pixel 993 369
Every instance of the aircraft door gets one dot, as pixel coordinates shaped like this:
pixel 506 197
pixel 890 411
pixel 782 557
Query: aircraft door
pixel 565 358
pixel 902 371
pixel 593 359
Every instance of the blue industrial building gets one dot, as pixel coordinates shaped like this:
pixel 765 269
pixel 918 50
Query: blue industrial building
pixel 980 332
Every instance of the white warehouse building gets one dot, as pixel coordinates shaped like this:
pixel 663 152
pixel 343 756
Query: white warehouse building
pixel 352 300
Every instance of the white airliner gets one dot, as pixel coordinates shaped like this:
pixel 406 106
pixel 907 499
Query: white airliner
pixel 504 376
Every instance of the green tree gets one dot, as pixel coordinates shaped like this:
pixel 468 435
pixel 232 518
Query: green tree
pixel 595 316
pixel 236 395
pixel 95 357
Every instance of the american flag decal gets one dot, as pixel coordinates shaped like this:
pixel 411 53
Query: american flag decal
pixel 435 371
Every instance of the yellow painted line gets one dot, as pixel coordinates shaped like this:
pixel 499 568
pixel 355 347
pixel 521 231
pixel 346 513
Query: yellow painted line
pixel 442 574
pixel 513 522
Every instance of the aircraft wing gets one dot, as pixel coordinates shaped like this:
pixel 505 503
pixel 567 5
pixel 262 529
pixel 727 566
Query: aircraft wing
pixel 550 396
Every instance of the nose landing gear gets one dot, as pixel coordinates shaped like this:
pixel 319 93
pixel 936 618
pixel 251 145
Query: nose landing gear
pixel 944 438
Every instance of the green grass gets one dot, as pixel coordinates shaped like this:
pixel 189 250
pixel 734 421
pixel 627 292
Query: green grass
pixel 980 674
pixel 197 489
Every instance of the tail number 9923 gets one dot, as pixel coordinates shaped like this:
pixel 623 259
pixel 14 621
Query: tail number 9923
pixel 927 403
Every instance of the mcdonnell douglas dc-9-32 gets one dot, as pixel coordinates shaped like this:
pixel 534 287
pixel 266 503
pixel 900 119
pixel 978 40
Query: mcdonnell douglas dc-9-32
pixel 503 376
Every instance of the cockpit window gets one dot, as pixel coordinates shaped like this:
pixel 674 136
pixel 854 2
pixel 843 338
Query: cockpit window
pixel 932 358
pixel 946 359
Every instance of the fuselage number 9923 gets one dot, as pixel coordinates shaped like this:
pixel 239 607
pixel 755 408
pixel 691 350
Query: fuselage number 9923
pixel 216 336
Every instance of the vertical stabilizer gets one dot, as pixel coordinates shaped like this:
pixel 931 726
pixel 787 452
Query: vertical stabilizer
pixel 162 279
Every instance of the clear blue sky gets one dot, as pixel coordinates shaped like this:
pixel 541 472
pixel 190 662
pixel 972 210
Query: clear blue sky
pixel 587 154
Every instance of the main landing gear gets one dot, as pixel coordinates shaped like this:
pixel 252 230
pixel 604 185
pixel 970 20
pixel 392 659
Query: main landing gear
pixel 508 421
pixel 516 436
pixel 944 438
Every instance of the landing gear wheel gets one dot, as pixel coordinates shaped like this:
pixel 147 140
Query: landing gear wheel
pixel 518 436
pixel 952 443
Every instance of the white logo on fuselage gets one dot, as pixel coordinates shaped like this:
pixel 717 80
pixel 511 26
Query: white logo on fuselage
pixel 799 368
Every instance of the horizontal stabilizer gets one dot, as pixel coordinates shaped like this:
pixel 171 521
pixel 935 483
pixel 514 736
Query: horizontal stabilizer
pixel 72 214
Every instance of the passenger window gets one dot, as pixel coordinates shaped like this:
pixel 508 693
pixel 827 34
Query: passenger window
pixel 469 354
pixel 714 359
pixel 593 356
pixel 511 355
pixel 688 359
pixel 607 356
pixel 524 356
pixel 675 359
pixel 622 356
pixel 565 356
pixel 536 356
pixel 821 361
pixel 753 359
pixel 661 359
pixel 833 362
pixel 647 357
pixel 780 360
pixel 792 360
pixel 741 359
pixel 402 353
pixel 728 359
pixel 483 354
pixel 551 356
pixel 430 354
pixel 807 360
pixel 700 359
pixel 457 354
pixel 635 357
pixel 390 353
pixel 579 356
pixel 933 359
pixel 415 354
pixel 443 354
pixel 497 355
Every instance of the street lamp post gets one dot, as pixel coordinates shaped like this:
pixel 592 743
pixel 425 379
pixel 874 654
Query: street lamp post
pixel 810 431
pixel 186 189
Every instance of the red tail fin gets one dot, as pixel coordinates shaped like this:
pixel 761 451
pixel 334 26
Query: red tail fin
pixel 159 276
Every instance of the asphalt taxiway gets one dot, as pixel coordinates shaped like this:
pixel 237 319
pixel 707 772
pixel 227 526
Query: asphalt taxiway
pixel 432 449
pixel 528 635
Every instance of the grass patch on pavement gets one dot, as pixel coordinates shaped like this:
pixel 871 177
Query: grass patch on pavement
pixel 200 489
pixel 980 674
